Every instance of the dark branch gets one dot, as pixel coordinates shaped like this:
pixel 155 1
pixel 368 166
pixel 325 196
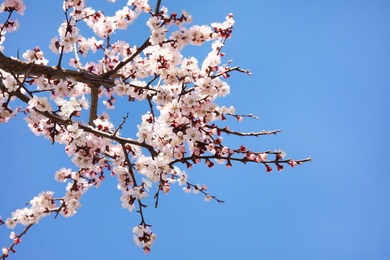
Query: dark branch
pixel 22 68
pixel 114 71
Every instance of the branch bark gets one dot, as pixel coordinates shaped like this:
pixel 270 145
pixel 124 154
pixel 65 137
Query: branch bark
pixel 22 68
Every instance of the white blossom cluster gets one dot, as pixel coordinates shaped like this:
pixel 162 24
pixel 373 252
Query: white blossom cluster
pixel 184 99
pixel 41 205
pixel 180 127
pixel 10 25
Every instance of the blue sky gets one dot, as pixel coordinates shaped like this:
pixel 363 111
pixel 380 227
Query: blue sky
pixel 320 72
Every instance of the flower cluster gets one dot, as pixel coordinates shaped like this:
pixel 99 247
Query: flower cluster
pixel 41 205
pixel 35 56
pixel 143 237
pixel 10 25
pixel 13 5
pixel 180 128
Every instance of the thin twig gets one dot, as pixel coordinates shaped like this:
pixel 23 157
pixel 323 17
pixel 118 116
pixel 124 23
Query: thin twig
pixel 230 70
pixel 121 125
pixel 129 167
pixel 228 131
pixel 112 72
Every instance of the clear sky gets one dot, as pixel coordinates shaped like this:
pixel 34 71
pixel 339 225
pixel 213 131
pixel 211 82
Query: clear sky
pixel 320 72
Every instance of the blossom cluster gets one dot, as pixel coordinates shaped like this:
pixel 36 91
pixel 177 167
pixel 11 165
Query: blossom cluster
pixel 143 237
pixel 181 127
pixel 10 25
pixel 41 205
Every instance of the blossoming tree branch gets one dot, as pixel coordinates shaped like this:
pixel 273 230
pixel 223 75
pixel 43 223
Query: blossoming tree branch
pixel 70 100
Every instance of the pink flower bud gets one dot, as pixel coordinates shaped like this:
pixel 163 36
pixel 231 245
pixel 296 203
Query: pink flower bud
pixel 229 164
pixel 5 251
pixel 293 163
pixel 166 188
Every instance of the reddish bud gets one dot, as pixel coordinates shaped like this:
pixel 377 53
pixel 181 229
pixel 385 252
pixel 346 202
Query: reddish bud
pixel 293 163
pixel 242 148
pixel 16 240
pixel 166 188
pixel 229 164
pixel 189 165
pixel 209 163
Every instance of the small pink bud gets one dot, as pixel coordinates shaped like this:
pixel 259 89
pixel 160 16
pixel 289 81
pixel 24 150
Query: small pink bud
pixel 5 251
pixel 146 250
pixel 229 164
pixel 166 188
pixel 293 163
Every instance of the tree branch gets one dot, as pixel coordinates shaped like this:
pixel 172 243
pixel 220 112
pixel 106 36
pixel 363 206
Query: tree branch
pixel 11 248
pixel 94 105
pixel 22 68
pixel 114 71
pixel 157 10
pixel 230 70
pixel 228 131
pixel 61 121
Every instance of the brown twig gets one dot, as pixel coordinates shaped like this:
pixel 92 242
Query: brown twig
pixel 11 248
pixel 129 167
pixel 228 131
pixel 230 70
pixel 112 72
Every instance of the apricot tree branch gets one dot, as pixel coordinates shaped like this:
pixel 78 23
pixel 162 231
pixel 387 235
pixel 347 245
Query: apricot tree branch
pixel 22 68
pixel 228 131
pixel 114 71
pixel 94 105
pixel 157 9
pixel 11 248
